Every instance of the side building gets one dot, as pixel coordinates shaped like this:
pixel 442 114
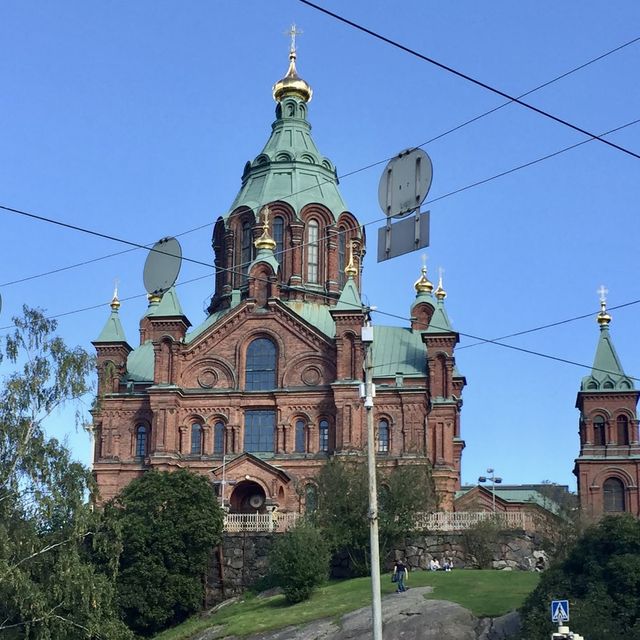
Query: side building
pixel 266 388
pixel 608 466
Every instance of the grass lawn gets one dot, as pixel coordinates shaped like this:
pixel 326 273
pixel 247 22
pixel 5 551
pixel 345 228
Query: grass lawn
pixel 485 593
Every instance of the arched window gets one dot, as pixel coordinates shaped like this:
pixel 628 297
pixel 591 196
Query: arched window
pixel 246 250
pixel 196 438
pixel 218 438
pixel 324 435
pixel 141 441
pixel 613 495
pixel 342 255
pixel 313 251
pixel 300 436
pixel 383 436
pixel 310 498
pixel 622 427
pixel 599 438
pixel 261 365
pixel 278 235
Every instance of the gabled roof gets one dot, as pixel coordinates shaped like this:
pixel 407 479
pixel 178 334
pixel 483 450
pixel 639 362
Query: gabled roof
pixel 169 305
pixel 349 298
pixel 253 460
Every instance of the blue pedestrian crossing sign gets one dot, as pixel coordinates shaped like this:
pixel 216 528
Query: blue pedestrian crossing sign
pixel 559 611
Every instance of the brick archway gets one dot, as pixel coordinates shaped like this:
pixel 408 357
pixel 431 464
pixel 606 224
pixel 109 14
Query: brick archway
pixel 248 497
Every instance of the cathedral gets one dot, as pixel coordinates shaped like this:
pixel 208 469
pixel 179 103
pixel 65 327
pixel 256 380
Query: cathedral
pixel 268 387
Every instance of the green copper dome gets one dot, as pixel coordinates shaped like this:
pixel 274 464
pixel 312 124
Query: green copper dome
pixel 290 167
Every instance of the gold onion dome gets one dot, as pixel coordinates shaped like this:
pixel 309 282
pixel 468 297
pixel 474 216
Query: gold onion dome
pixel 440 293
pixel 292 84
pixel 115 301
pixel 351 271
pixel 265 241
pixel 603 317
pixel 422 284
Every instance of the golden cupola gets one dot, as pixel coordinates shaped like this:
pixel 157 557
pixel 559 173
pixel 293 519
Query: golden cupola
pixel 292 84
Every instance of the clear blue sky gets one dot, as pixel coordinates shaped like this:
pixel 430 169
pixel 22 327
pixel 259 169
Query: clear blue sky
pixel 136 119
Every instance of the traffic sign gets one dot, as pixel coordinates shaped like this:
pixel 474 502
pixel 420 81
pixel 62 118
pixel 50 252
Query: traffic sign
pixel 559 611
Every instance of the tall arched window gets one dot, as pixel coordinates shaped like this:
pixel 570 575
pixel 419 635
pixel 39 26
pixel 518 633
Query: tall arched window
pixel 196 438
pixel 310 498
pixel 141 441
pixel 218 438
pixel 313 251
pixel 300 436
pixel 599 438
pixel 261 365
pixel 383 436
pixel 278 235
pixel 613 495
pixel 622 427
pixel 324 435
pixel 246 251
pixel 342 255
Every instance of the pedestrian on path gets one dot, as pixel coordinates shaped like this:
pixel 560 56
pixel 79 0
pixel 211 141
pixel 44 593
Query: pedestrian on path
pixel 400 574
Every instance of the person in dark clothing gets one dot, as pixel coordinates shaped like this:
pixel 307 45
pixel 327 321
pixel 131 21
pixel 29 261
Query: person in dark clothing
pixel 401 574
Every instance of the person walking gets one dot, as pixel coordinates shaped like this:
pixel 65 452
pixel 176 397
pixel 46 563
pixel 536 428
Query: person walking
pixel 401 574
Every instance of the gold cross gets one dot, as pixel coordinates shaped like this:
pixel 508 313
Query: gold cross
pixel 293 32
pixel 602 291
pixel 265 218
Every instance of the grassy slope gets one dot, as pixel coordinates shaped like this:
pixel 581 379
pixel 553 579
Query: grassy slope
pixel 485 593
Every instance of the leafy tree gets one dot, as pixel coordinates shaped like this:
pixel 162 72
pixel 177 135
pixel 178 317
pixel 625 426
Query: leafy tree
pixel 49 585
pixel 601 579
pixel 299 561
pixel 170 522
pixel 343 506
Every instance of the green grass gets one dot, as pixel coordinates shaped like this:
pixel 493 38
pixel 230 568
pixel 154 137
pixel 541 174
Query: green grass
pixel 485 593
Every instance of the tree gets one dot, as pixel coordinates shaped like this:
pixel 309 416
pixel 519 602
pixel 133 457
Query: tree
pixel 170 523
pixel 49 585
pixel 299 561
pixel 343 506
pixel 601 579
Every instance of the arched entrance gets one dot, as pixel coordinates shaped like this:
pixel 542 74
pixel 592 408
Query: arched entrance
pixel 248 497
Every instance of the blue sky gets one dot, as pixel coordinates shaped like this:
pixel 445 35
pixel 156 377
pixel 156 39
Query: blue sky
pixel 136 119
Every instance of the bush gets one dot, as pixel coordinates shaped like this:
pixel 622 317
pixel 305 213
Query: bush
pixel 480 542
pixel 299 562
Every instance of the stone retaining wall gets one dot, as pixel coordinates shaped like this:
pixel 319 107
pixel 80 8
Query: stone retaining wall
pixel 242 558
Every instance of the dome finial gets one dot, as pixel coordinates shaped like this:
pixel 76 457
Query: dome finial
pixel 351 271
pixel 603 317
pixel 265 241
pixel 115 301
pixel 440 293
pixel 422 284
pixel 292 84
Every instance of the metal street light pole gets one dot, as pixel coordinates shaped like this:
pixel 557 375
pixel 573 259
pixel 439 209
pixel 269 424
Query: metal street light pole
pixel 367 339
pixel 494 480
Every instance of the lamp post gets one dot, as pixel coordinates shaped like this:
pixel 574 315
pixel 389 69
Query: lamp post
pixel 494 481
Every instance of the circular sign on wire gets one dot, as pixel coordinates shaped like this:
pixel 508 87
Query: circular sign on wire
pixel 405 183
pixel 162 266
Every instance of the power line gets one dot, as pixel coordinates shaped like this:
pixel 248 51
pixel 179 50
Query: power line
pixel 379 162
pixel 475 81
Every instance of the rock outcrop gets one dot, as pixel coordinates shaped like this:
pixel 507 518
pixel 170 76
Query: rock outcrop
pixel 405 616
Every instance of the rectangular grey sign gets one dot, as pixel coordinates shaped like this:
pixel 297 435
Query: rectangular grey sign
pixel 403 236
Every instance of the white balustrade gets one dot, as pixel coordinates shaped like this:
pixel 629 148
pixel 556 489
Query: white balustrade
pixel 439 521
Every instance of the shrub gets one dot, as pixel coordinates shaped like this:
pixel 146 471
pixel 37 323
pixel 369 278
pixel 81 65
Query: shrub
pixel 480 542
pixel 299 562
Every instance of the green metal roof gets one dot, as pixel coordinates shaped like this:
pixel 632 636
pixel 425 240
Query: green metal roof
pixel 290 167
pixel 349 297
pixel 140 363
pixel 607 372
pixel 201 328
pixel 169 305
pixel 316 315
pixel 265 255
pixel 520 495
pixel 398 350
pixel 112 330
